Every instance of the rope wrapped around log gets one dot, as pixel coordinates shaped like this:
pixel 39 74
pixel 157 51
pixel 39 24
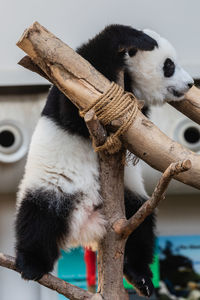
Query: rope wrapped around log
pixel 110 106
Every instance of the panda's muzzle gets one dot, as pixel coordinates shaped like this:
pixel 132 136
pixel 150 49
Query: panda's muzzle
pixel 177 94
pixel 180 93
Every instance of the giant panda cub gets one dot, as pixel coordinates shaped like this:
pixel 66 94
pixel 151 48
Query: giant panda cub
pixel 59 202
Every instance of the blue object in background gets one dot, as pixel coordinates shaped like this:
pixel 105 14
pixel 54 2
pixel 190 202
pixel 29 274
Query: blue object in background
pixel 71 268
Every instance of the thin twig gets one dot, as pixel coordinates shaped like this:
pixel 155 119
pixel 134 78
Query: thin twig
pixel 126 227
pixel 68 290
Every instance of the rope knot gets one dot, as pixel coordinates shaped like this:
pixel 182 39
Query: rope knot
pixel 112 105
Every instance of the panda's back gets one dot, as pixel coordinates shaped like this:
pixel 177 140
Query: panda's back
pixel 64 113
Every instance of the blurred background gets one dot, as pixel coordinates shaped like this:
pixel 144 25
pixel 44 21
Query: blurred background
pixel 22 97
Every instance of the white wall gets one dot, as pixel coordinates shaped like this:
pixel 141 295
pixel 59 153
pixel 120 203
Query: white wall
pixel 179 215
pixel 23 111
pixel 76 21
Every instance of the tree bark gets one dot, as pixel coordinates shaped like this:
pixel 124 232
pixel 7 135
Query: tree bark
pixel 111 247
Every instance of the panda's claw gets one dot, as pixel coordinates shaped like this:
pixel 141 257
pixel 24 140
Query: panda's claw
pixel 142 283
pixel 143 280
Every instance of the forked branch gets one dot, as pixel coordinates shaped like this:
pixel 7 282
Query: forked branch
pixel 126 227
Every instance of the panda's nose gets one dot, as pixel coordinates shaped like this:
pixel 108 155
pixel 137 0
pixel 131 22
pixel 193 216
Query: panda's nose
pixel 190 84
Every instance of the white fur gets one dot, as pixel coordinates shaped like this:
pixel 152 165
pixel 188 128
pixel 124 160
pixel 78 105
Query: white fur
pixel 66 163
pixel 150 84
pixel 133 179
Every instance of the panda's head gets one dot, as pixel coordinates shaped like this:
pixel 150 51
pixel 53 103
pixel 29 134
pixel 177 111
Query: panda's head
pixel 157 76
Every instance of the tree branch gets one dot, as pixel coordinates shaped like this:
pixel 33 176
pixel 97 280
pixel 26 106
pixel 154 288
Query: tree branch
pixel 96 130
pixel 110 248
pixel 126 227
pixel 68 290
pixel 190 106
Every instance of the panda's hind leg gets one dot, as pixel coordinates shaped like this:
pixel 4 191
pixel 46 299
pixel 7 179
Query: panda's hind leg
pixel 139 249
pixel 41 225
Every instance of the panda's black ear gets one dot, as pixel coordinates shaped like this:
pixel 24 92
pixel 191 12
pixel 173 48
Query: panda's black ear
pixel 133 40
pixel 144 42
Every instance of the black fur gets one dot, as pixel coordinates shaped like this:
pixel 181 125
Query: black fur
pixel 168 68
pixel 139 248
pixel 64 113
pixel 107 50
pixel 105 53
pixel 36 256
pixel 40 229
pixel 128 83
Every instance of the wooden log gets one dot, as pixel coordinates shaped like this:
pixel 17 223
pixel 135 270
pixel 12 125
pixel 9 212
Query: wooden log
pixel 190 106
pixel 79 81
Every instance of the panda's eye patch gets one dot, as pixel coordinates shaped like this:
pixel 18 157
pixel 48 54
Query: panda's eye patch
pixel 169 67
pixel 132 51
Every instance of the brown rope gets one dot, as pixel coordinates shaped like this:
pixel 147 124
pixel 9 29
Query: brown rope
pixel 112 105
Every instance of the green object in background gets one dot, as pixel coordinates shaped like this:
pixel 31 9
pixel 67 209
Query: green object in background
pixel 154 268
pixel 155 271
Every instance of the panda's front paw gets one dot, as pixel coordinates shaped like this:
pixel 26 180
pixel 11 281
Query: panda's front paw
pixel 31 268
pixel 142 283
pixel 144 286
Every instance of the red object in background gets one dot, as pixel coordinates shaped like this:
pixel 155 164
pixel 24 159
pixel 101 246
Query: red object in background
pixel 90 260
